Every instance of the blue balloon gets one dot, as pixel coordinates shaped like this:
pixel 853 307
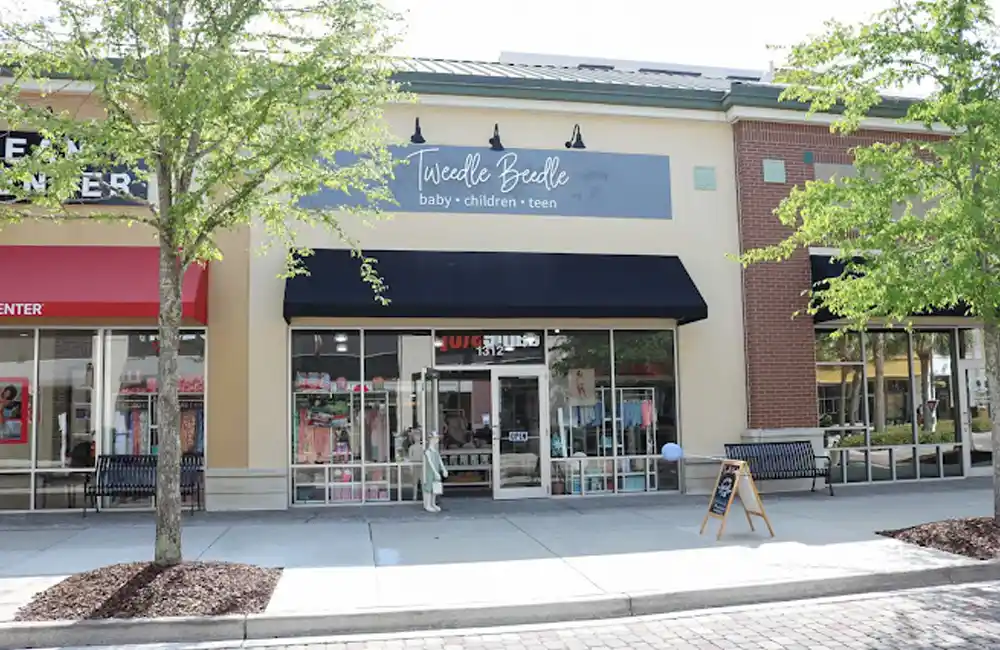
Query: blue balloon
pixel 672 452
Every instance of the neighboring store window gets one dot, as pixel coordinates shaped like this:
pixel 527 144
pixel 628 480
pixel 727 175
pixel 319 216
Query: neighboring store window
pixel 972 381
pixel 326 419
pixel 66 399
pixel 131 365
pixel 840 388
pixel 390 424
pixel 472 347
pixel 580 405
pixel 645 387
pixel 934 364
pixel 17 356
pixel 66 425
pixel 890 407
pixel 877 411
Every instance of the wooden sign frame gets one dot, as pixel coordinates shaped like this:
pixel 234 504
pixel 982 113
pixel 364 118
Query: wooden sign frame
pixel 742 484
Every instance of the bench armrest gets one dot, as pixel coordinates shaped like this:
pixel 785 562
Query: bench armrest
pixel 825 459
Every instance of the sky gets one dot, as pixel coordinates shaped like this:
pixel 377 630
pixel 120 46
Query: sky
pixel 726 33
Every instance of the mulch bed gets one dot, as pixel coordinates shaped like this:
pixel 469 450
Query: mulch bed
pixel 143 590
pixel 975 537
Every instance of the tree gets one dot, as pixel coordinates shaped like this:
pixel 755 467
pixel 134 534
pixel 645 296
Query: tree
pixel 232 106
pixel 917 228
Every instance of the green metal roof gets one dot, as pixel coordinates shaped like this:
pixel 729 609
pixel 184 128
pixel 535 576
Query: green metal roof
pixel 592 84
pixel 551 73
pixel 598 85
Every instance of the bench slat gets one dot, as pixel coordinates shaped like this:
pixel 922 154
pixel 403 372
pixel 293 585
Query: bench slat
pixel 780 460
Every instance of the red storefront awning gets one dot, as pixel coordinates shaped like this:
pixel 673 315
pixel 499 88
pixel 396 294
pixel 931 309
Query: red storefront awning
pixel 92 282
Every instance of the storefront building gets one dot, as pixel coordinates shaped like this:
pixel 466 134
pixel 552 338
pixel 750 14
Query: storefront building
pixel 78 348
pixel 78 358
pixel 557 314
pixel 561 304
pixel 884 406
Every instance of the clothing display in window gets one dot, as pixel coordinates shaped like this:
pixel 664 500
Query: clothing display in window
pixel 136 424
pixel 375 425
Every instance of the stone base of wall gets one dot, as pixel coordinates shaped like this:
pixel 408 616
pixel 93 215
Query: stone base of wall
pixel 812 435
pixel 700 476
pixel 246 489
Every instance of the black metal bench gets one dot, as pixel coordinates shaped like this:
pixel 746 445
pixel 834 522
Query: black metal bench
pixel 778 461
pixel 134 475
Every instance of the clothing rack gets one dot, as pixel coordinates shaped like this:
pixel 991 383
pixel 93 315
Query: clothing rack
pixel 635 414
pixel 329 428
pixel 136 423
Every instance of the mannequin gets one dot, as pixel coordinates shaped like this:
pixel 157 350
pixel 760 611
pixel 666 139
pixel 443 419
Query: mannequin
pixel 434 473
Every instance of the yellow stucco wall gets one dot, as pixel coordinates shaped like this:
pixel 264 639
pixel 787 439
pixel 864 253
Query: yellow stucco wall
pixel 703 230
pixel 227 326
pixel 248 365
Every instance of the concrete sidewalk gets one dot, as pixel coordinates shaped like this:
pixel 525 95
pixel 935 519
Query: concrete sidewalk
pixel 573 557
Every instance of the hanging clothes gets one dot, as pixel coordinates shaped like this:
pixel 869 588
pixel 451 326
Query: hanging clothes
pixel 378 448
pixel 189 430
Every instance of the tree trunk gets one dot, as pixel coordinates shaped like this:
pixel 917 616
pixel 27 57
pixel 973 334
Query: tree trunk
pixel 991 348
pixel 168 473
pixel 880 415
pixel 856 392
pixel 842 411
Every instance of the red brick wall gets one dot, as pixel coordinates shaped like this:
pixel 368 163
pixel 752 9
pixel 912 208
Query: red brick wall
pixel 780 355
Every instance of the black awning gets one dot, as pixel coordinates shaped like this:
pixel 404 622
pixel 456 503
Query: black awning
pixel 824 267
pixel 439 284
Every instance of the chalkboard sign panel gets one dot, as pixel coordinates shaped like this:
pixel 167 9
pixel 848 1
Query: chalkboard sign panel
pixel 722 495
pixel 735 480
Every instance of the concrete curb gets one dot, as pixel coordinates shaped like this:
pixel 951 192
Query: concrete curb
pixel 261 627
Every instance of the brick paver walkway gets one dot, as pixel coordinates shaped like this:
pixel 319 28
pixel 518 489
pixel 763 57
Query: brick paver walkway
pixel 960 617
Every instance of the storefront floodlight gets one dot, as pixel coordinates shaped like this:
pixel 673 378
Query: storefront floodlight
pixel 417 137
pixel 575 139
pixel 495 143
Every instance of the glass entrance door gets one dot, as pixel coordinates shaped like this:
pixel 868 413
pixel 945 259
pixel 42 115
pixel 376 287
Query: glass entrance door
pixel 977 420
pixel 520 432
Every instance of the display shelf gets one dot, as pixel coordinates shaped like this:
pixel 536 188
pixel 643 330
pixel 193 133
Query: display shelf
pixel 338 416
pixel 461 462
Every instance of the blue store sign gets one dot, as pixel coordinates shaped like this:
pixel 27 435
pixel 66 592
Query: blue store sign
pixel 523 181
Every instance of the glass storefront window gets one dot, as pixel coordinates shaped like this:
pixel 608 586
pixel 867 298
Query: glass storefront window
pixel 17 385
pixel 327 414
pixel 131 360
pixel 842 404
pixel 895 415
pixel 360 400
pixel 95 393
pixel 15 491
pixel 66 399
pixel 581 411
pixel 972 381
pixel 890 400
pixel 645 385
pixel 393 363
pixel 832 347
